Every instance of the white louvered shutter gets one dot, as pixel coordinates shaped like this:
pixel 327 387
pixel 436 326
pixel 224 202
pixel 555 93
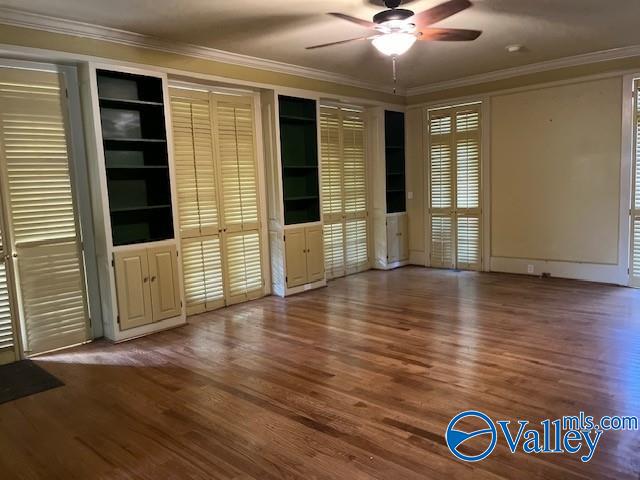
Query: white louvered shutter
pixel 239 178
pixel 344 191
pixel 635 207
pixel 7 341
pixel 441 189
pixel 355 191
pixel 194 153
pixel 454 176
pixel 41 210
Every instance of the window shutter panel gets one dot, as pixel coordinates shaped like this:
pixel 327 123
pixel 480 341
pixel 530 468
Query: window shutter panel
pixel 331 164
pixel 244 266
pixel 454 163
pixel 6 325
pixel 41 209
pixel 635 210
pixel 202 270
pixel 194 162
pixel 344 191
pixel 334 254
pixel 236 145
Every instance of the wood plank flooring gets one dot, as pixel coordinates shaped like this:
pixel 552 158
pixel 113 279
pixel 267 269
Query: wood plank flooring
pixel 355 381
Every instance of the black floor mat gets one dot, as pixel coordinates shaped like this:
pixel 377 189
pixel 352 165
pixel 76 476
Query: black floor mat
pixel 24 378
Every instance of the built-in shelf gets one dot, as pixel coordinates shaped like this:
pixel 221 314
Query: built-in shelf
pixel 135 140
pixel 395 161
pixel 139 208
pixel 299 157
pixel 295 118
pixel 128 102
pixel 301 167
pixel 137 167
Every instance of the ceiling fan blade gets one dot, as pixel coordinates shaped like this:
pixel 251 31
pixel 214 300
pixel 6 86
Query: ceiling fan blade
pixel 338 43
pixel 349 18
pixel 440 12
pixel 449 34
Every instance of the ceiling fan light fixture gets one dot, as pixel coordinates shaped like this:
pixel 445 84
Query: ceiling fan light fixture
pixel 395 43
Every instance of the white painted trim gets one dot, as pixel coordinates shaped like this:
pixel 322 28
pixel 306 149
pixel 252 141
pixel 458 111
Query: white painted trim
pixel 485 182
pixel 9 16
pixel 573 61
pixel 628 147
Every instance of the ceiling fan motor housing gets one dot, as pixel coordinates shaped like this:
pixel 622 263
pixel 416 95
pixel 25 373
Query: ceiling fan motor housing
pixel 392 3
pixel 393 14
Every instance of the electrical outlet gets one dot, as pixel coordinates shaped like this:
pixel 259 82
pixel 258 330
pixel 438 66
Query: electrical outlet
pixel 409 195
pixel 529 268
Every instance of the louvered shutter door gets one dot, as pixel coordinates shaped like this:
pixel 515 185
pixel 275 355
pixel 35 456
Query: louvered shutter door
pixel 635 207
pixel 441 189
pixel 355 191
pixel 197 200
pixel 41 210
pixel 467 138
pixel 238 166
pixel 6 324
pixel 332 194
pixel 344 191
pixel 454 166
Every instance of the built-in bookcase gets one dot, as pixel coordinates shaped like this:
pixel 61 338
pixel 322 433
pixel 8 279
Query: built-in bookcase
pixel 395 161
pixel 299 154
pixel 136 157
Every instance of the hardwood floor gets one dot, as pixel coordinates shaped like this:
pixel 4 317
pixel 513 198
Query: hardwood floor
pixel 355 381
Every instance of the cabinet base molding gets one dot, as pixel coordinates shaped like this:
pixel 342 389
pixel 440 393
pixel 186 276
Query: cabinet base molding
pixel 144 330
pixel 392 265
pixel 303 288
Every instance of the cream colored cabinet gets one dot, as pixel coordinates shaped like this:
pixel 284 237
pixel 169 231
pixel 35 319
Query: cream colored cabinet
pixel 314 254
pixel 304 255
pixel 397 238
pixel 147 286
pixel 163 279
pixel 132 286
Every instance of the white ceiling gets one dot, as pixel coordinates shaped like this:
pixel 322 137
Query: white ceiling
pixel 280 29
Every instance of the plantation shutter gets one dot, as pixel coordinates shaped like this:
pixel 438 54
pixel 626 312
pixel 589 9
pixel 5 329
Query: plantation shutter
pixel 194 162
pixel 355 191
pixel 238 166
pixel 344 191
pixel 454 166
pixel 41 213
pixel 635 207
pixel 441 183
pixel 6 324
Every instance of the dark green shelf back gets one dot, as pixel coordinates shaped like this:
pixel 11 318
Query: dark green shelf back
pixel 299 151
pixel 395 161
pixel 136 157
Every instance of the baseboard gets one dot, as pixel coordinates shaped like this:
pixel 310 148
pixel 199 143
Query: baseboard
pixel 591 272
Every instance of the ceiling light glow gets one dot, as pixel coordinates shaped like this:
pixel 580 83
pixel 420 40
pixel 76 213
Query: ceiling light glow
pixel 395 43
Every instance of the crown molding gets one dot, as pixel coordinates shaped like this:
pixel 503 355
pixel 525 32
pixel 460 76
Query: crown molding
pixel 574 61
pixel 19 18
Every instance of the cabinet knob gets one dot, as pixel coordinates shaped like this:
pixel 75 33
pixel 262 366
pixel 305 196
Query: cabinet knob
pixel 145 279
pixel 153 279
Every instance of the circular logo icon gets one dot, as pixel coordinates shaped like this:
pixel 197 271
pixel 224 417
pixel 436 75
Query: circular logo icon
pixel 456 438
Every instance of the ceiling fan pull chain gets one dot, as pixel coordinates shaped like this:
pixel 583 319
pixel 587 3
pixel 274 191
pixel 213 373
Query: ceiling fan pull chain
pixel 395 73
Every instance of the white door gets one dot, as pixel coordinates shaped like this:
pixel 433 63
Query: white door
pixel 40 212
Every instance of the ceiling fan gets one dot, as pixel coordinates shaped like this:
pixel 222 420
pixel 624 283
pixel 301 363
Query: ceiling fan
pixel 394 31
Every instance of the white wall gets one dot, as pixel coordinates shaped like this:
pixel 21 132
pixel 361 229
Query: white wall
pixel 555 164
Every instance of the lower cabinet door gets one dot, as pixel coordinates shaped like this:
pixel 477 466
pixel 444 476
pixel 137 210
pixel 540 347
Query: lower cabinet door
pixel 393 239
pixel 295 253
pixel 403 237
pixel 315 254
pixel 132 287
pixel 164 281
